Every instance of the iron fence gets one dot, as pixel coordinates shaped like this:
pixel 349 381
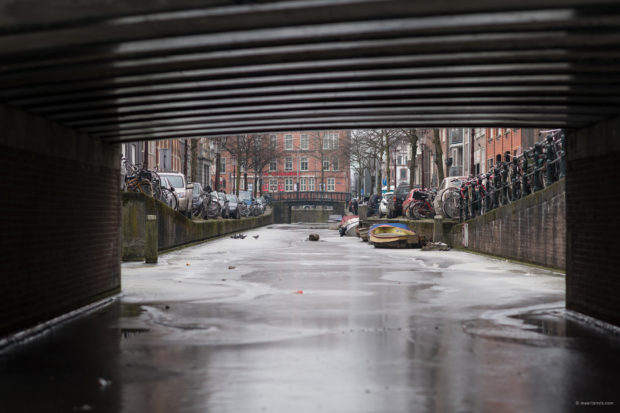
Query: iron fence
pixel 510 180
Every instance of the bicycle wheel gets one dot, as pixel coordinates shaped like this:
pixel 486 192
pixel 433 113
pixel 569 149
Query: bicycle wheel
pixel 451 204
pixel 145 187
pixel 421 211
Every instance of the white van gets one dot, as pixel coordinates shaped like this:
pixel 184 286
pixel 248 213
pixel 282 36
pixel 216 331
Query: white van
pixel 182 189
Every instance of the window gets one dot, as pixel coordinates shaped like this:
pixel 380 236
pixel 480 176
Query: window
pixel 304 142
pixel 288 184
pixel 273 185
pixel 303 184
pixel 222 165
pixel 403 173
pixel 288 142
pixel 326 165
pixel 310 184
pixel 133 151
pixel 303 164
pixel 330 141
pixel 335 164
pixel 273 165
pixel 331 184
pixel 489 163
pixel 288 166
pixel 165 161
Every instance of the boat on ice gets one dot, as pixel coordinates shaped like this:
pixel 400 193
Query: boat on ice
pixel 393 235
pixel 348 225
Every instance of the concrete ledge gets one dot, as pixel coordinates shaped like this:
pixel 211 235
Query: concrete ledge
pixel 174 229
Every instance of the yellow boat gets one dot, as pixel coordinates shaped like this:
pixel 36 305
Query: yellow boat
pixel 392 235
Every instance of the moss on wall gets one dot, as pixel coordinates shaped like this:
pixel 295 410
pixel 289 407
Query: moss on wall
pixel 174 229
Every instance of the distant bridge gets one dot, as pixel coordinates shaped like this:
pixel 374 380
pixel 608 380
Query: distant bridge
pixel 311 197
pixel 283 203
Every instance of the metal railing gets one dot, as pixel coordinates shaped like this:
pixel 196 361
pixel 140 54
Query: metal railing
pixel 509 180
pixel 311 196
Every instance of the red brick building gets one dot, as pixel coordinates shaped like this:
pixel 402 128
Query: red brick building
pixel 300 161
pixel 502 140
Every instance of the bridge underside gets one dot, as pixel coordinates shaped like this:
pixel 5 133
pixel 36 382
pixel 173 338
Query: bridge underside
pixel 76 77
pixel 159 69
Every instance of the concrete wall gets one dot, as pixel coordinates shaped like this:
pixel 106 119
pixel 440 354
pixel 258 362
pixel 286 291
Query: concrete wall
pixel 532 229
pixel 174 229
pixel 60 220
pixel 593 218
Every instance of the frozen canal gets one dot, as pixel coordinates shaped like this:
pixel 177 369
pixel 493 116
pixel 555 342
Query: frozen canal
pixel 280 324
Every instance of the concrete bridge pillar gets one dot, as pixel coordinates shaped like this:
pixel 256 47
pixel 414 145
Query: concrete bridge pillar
pixel 593 221
pixel 60 220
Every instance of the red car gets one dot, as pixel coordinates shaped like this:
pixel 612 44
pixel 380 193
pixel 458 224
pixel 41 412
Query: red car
pixel 423 199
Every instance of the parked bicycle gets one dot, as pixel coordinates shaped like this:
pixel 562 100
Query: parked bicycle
pixel 510 180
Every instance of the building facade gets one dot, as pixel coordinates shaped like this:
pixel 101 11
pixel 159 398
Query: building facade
pixel 174 155
pixel 298 161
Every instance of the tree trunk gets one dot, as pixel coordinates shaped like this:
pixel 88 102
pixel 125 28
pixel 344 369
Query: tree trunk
pixel 438 156
pixel 194 167
pixel 218 165
pixel 322 175
pixel 379 176
pixel 413 140
pixel 238 178
pixel 388 181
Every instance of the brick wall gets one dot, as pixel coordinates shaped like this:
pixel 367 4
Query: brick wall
pixel 532 229
pixel 593 217
pixel 60 220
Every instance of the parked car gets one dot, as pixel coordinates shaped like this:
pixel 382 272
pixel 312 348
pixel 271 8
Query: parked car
pixel 258 206
pixel 198 200
pixel 182 189
pixel 395 202
pixel 223 204
pixel 214 207
pixel 268 199
pixel 234 206
pixel 383 204
pixel 444 188
pixel 419 195
pixel 373 204
pixel 168 195
pixel 246 198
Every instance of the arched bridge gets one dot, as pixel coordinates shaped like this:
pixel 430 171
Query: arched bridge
pixel 312 197
pixel 285 202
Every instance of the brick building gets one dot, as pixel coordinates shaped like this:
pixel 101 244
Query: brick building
pixel 174 155
pixel 473 151
pixel 298 161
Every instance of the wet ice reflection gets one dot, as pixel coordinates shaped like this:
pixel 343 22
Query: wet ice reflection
pixel 279 324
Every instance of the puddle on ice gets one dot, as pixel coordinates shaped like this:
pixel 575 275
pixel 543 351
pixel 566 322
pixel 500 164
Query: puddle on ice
pixel 535 325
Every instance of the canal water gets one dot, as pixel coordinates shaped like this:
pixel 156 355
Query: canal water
pixel 276 323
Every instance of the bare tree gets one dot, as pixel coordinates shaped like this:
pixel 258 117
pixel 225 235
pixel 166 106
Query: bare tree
pixel 237 146
pixel 361 156
pixel 438 155
pixel 261 153
pixel 194 160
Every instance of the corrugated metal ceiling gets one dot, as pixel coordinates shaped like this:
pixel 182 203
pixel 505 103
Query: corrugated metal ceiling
pixel 153 69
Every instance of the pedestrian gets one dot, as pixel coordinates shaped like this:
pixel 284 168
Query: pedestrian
pixel 355 205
